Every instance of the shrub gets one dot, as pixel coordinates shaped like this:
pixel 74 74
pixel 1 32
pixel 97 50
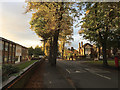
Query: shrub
pixel 16 58
pixel 8 70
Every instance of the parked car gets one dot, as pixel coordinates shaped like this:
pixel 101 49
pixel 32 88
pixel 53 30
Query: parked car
pixel 35 58
pixel 40 56
pixel 101 57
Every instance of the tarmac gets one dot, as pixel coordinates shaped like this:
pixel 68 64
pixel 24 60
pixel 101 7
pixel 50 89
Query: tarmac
pixel 53 78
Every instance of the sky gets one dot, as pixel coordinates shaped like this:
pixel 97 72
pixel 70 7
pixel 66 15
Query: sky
pixel 15 26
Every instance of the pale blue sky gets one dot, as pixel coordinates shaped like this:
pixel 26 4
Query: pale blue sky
pixel 15 26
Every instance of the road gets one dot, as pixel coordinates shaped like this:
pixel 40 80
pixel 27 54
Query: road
pixel 84 76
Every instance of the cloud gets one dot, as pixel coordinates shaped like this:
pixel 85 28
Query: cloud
pixel 15 25
pixel 12 0
pixel 77 39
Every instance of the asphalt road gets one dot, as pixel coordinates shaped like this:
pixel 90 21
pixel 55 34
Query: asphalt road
pixel 84 76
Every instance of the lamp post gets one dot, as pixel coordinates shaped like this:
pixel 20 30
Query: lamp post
pixel 44 41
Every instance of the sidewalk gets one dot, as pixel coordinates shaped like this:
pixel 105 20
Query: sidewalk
pixel 53 78
pixel 47 76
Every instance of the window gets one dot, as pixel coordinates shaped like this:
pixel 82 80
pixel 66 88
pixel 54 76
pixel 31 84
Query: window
pixel 13 48
pixel 10 47
pixel 2 45
pixel 10 51
pixel 6 46
pixel 5 59
pixel 13 51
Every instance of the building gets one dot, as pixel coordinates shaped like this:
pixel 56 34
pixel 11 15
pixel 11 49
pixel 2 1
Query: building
pixel 12 52
pixel 94 51
pixel 70 52
pixel 86 49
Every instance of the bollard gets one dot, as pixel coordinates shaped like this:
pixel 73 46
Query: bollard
pixel 116 61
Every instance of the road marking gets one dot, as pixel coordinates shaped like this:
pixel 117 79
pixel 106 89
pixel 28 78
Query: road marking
pixel 97 70
pixel 103 76
pixel 77 71
pixel 68 71
pixel 50 82
pixel 98 74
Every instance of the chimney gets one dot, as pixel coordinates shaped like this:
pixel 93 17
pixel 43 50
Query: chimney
pixel 81 44
pixel 72 48
pixel 79 48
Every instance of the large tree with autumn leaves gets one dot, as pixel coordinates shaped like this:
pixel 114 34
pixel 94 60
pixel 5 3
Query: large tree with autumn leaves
pixel 49 19
pixel 101 25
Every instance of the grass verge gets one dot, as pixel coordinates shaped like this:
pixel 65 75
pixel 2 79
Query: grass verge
pixel 26 64
pixel 110 63
pixel 13 70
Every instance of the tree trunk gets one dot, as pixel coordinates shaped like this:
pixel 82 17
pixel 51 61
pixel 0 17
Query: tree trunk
pixel 104 54
pixel 103 43
pixel 44 46
pixel 55 48
pixel 55 37
pixel 63 51
pixel 50 51
pixel 99 51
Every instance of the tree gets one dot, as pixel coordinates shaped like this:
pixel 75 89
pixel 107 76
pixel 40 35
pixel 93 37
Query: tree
pixel 65 37
pixel 38 51
pixel 48 20
pixel 30 51
pixel 41 20
pixel 101 23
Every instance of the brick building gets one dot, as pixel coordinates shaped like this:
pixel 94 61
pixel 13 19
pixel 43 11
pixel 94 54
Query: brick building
pixel 11 52
pixel 85 49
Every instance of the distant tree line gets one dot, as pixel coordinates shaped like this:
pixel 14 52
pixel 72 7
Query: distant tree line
pixel 37 51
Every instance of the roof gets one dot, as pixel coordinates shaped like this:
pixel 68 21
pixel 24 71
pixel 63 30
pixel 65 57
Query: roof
pixel 87 44
pixel 75 51
pixel 3 39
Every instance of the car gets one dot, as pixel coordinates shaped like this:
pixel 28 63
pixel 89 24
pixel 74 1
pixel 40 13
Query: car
pixel 101 57
pixel 40 56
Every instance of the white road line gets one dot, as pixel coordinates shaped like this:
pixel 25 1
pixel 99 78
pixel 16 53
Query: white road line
pixel 98 74
pixel 68 71
pixel 103 76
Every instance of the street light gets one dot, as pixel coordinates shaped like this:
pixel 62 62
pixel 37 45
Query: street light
pixel 44 41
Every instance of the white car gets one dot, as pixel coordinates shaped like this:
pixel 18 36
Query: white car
pixel 40 56
pixel 101 57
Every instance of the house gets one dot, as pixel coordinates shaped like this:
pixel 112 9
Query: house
pixel 12 52
pixel 94 51
pixel 70 52
pixel 86 49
